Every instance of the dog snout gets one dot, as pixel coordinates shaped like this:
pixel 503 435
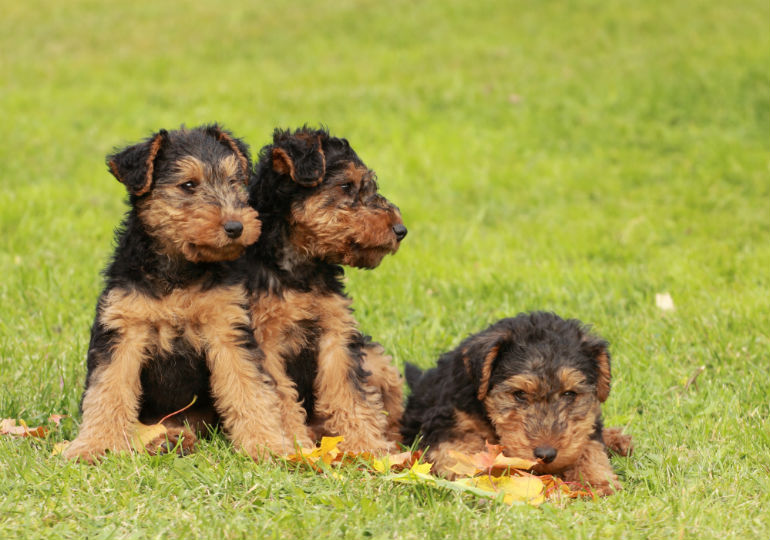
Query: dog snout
pixel 400 231
pixel 546 453
pixel 233 229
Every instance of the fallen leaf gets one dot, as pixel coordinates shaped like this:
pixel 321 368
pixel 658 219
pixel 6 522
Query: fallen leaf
pixel 393 461
pixel 57 418
pixel 664 301
pixel 556 488
pixel 8 427
pixel 59 447
pixel 144 434
pixel 490 461
pixel 527 489
pixel 327 452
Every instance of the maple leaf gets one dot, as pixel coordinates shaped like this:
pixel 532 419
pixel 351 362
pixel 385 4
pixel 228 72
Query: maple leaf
pixel 327 452
pixel 417 473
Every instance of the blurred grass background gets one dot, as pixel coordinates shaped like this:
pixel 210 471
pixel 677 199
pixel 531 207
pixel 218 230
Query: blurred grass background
pixel 574 156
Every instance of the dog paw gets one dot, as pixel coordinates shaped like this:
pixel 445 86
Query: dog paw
pixel 178 440
pixel 86 451
pixel 618 442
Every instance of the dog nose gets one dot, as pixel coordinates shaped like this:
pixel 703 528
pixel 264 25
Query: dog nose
pixel 546 453
pixel 233 228
pixel 400 231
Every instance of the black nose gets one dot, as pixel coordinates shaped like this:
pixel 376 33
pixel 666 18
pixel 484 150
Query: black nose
pixel 546 453
pixel 233 228
pixel 400 231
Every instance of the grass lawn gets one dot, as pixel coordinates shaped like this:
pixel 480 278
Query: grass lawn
pixel 576 156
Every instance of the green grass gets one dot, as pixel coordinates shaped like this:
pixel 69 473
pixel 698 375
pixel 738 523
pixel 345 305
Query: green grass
pixel 570 156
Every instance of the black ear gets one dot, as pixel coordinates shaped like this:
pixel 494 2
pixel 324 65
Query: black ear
pixel 598 350
pixel 299 156
pixel 133 166
pixel 238 147
pixel 479 354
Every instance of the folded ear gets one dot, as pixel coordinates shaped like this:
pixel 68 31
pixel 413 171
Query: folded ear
pixel 479 355
pixel 299 156
pixel 133 166
pixel 598 350
pixel 239 148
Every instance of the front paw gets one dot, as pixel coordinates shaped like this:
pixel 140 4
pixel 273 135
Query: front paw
pixel 175 439
pixel 603 490
pixel 86 450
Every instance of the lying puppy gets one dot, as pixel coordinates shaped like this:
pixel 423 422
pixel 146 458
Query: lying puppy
pixel 533 384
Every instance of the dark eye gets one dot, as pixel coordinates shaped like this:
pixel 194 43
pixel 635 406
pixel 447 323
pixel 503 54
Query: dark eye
pixel 520 396
pixel 188 186
pixel 347 188
pixel 568 394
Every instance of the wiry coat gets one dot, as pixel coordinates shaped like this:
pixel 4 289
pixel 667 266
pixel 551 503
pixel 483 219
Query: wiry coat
pixel 533 383
pixel 172 321
pixel 320 209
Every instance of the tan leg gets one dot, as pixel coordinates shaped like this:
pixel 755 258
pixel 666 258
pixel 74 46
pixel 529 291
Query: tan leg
pixel 347 407
pixel 293 415
pixel 593 467
pixel 358 417
pixel 245 397
pixel 274 320
pixel 111 402
pixel 387 381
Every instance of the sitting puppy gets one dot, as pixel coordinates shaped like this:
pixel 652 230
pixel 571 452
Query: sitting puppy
pixel 320 209
pixel 172 320
pixel 533 384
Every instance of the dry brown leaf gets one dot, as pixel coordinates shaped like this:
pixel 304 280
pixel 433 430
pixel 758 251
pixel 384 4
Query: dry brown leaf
pixel 8 427
pixel 490 461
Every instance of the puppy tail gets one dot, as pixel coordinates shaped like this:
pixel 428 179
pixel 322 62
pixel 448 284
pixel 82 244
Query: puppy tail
pixel 413 375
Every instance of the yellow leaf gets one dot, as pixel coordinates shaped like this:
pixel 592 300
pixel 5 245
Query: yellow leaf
pixel 145 434
pixel 329 445
pixel 421 468
pixel 528 489
pixel 464 466
pixel 59 447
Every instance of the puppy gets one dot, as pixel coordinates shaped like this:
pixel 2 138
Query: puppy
pixel 533 384
pixel 173 319
pixel 321 209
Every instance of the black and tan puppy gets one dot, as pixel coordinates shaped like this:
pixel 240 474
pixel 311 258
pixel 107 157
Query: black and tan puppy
pixel 533 384
pixel 321 209
pixel 173 319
